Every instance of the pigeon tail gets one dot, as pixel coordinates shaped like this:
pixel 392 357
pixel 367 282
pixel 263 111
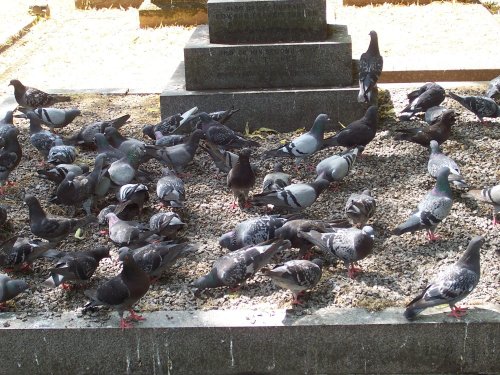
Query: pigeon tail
pixel 54 280
pixel 411 225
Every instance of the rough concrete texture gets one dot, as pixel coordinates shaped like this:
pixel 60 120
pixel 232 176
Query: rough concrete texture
pixel 308 64
pixel 270 21
pixel 329 341
pixel 175 12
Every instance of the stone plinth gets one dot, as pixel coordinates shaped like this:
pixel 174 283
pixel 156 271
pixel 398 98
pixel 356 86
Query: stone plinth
pixel 278 65
pixel 157 13
pixel 246 21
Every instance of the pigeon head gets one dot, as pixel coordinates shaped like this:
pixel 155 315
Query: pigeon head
pixel 434 147
pixel 100 252
pixel 208 281
pixel 13 288
pixel 112 219
pixel 470 259
pixel 225 240
pixel 167 172
pixel 196 136
pixel 367 192
pixel 319 262
pixel 278 167
pixel 448 117
pixel 245 153
pixel 17 84
pixel 368 230
pixel 149 131
pixel 373 47
pixel 122 252
pixel 320 123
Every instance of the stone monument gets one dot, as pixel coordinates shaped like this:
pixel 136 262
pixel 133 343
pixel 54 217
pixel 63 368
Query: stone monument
pixel 277 60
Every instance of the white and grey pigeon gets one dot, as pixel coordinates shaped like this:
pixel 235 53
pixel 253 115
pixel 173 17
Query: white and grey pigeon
pixel 336 167
pixel 17 254
pixel 437 160
pixel 58 173
pixel 41 139
pixel 166 224
pixel 235 268
pixel 170 189
pixel 56 117
pixel 433 208
pixel 370 67
pixel 452 284
pixel 10 288
pixel 360 207
pixel 296 275
pixel 493 90
pixel 481 106
pixel 276 180
pixel 347 244
pixel 61 153
pixel 125 232
pixel 131 194
pixel 305 145
pixel 490 195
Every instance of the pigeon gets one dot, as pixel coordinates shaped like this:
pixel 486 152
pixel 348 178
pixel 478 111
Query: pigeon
pixel 222 136
pixel 437 160
pixel 440 131
pixel 10 154
pixel 60 153
pixel 169 124
pixel 481 106
pixel 3 215
pixel 224 160
pixel 252 232
pixel 122 291
pixel 236 267
pixel 132 194
pixel 452 284
pixel 294 197
pixel 370 68
pixel 75 266
pixel 55 117
pixel 10 288
pixel 304 145
pixel 169 140
pixel 58 173
pixel 348 244
pixel 336 167
pixel 52 228
pixel 360 207
pixel 493 90
pixel 429 95
pixel 131 147
pixel 490 195
pixel 125 232
pixel 123 171
pixel 170 189
pixel 103 147
pixel 223 116
pixel 241 179
pixel 129 213
pixel 41 139
pixel 357 133
pixel 86 135
pixel 7 123
pixel 432 209
pixel 434 114
pixel 276 180
pixel 30 97
pixel 297 276
pixel 17 254
pixel 166 224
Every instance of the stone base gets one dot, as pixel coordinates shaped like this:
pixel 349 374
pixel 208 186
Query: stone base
pixel 84 4
pixel 172 13
pixel 281 109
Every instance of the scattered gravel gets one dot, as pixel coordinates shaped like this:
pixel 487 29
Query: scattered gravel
pixel 395 171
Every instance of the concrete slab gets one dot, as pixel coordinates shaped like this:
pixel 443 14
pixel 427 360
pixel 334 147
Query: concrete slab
pixel 172 12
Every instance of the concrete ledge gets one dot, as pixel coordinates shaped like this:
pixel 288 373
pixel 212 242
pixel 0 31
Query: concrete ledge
pixel 175 12
pixel 333 341
pixel 397 76
pixel 84 4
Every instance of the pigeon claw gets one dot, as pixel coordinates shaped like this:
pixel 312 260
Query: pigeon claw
pixel 134 317
pixel 458 312
pixel 124 324
pixel 353 271
pixel 66 286
pixel 431 236
pixel 296 300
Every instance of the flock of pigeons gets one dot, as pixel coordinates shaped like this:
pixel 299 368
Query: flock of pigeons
pixel 147 250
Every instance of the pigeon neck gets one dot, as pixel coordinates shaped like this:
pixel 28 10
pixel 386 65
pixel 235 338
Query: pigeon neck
pixel 373 47
pixel 443 185
pixel 35 126
pixel 208 281
pixel 35 210
pixel 470 259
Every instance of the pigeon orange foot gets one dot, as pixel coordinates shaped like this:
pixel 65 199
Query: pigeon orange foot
pixel 134 317
pixel 353 271
pixel 458 312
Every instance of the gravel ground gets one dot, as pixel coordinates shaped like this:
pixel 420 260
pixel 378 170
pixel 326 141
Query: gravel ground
pixel 395 171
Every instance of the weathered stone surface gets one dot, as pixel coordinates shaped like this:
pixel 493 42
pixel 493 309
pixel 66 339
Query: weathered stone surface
pixel 173 12
pixel 298 65
pixel 268 21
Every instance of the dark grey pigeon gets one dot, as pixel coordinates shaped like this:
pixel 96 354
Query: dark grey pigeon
pixel 55 117
pixel 357 133
pixel 452 284
pixel 437 160
pixel 86 135
pixel 124 170
pixel 434 114
pixel 52 228
pixel 170 189
pixel 304 145
pixel 336 167
pixel 294 197
pixel 490 195
pixel 133 148
pixel 223 116
pixel 169 140
pixel 429 95
pixel 297 276
pixel 125 232
pixel 58 173
pixel 235 268
pixel 30 97
pixel 168 125
pixel 132 194
pixel 127 214
pixel 7 123
pixel 122 291
pixel 76 266
pixel 10 154
pixel 276 180
pixel 493 90
pixel 360 207
pixel 166 224
pixel 241 179
pixel 60 153
pixel 224 160
pixel 18 254
pixel 370 67
pixel 347 244
pixel 481 106
pixel 434 207
pixel 103 147
pixel 10 288
pixel 252 232
pixel 41 139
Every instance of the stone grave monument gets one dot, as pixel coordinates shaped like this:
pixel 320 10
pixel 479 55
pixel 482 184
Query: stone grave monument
pixel 277 60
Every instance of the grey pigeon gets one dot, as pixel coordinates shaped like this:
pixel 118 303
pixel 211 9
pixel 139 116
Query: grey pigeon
pixel 347 244
pixel 125 232
pixel 60 153
pixel 52 228
pixel 297 276
pixel 10 154
pixel 481 106
pixel 241 179
pixel 58 173
pixel 76 266
pixel 31 97
pixel 7 123
pixel 370 67
pixel 17 254
pixel 122 291
pixel 10 288
pixel 357 133
pixel 55 117
pixel 166 224
pixel 252 232
pixel 294 197
pixel 304 145
pixel 132 194
pixel 437 160
pixel 129 213
pixel 41 139
pixel 169 140
pixel 493 90
pixel 276 180
pixel 86 135
pixel 103 147
pixel 432 209
pixel 224 160
pixel 434 114
pixel 336 167
pixel 224 115
pixel 133 148
pixel 124 170
pixel 360 207
pixel 168 125
pixel 429 95
pixel 452 284
pixel 235 268
pixel 490 195
pixel 170 189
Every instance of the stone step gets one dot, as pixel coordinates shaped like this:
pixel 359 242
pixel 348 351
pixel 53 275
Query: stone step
pixel 158 13
pixel 270 21
pixel 247 66
pixel 281 109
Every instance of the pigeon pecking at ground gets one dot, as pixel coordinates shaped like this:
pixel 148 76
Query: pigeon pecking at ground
pixel 451 285
pixel 60 153
pixel 166 224
pixel 434 114
pixel 86 135
pixel 132 194
pixel 493 90
pixel 55 117
pixel 360 207
pixel 18 254
pixel 10 288
pixel 58 173
pixel 241 179
pixel 437 160
pixel 336 167
pixel 481 106
pixel 429 95
pixel 370 68
pixel 489 195
pixel 276 180
pixel 124 232
pixel 30 97
pixel 170 189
